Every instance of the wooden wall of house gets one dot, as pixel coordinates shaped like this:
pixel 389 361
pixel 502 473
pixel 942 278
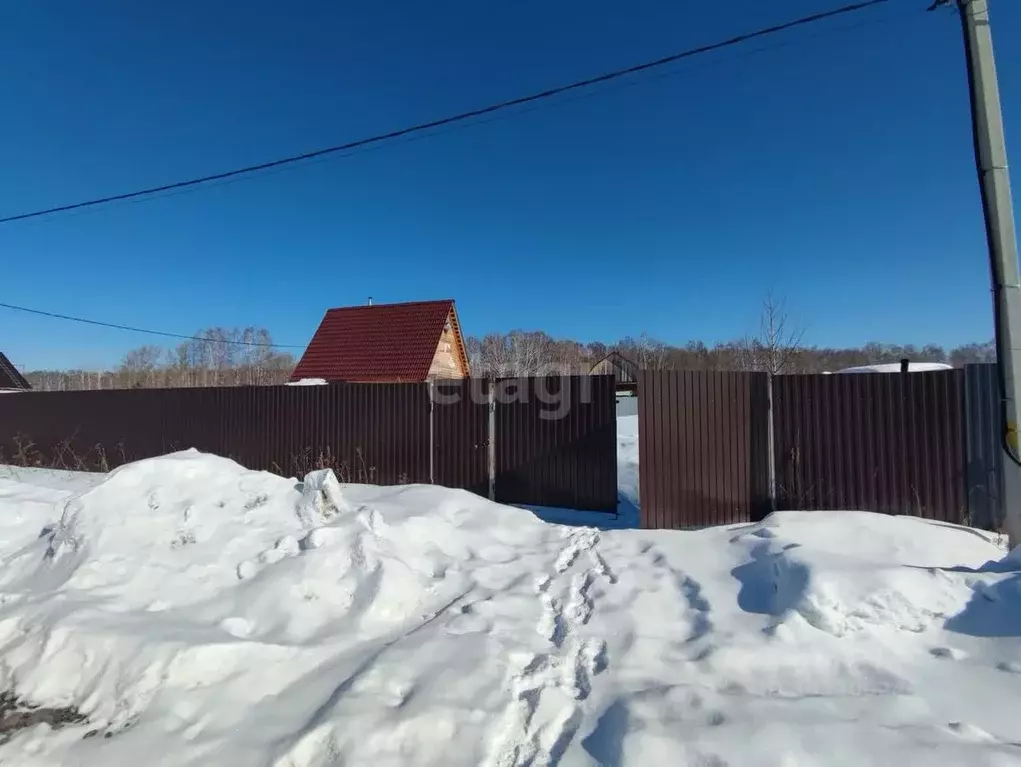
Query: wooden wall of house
pixel 446 362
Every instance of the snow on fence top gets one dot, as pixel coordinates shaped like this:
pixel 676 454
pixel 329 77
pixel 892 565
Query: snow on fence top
pixel 895 367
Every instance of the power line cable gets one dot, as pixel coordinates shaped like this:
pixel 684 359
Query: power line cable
pixel 132 329
pixel 503 105
pixel 533 107
pixel 887 19
pixel 617 86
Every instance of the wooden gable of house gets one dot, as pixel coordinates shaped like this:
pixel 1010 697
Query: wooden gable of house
pixel 450 359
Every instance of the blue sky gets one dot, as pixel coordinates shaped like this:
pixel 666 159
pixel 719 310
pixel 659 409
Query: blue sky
pixel 832 164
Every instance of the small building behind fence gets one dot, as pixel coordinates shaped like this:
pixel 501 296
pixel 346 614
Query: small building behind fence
pixel 625 378
pixel 10 379
pixel 386 343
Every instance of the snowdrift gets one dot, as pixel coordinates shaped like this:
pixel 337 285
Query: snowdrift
pixel 186 611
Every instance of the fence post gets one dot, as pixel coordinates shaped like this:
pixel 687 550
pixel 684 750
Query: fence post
pixel 770 448
pixel 430 385
pixel 491 440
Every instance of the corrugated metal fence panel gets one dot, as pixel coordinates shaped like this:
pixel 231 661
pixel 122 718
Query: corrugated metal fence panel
pixel 189 418
pixel 557 437
pixel 79 430
pixel 702 448
pixel 891 443
pixel 556 442
pixel 984 446
pixel 461 433
pixel 376 433
pixel 372 433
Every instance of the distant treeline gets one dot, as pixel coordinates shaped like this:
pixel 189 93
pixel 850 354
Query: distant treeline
pixel 524 353
pixel 221 357
pixel 212 362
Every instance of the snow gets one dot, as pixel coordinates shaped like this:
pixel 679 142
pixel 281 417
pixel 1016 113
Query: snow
pixel 894 367
pixel 627 458
pixel 308 382
pixel 196 613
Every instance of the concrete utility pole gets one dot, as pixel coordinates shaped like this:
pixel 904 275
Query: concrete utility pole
pixel 994 181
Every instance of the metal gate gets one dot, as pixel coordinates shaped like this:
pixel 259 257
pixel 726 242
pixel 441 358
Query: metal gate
pixel 460 434
pixel 556 442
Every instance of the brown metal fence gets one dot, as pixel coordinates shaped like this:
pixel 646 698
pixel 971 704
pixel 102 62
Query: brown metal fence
pixel 702 448
pixel 556 442
pixel 461 434
pixel 375 433
pixel 891 443
pixel 80 430
pixel 883 442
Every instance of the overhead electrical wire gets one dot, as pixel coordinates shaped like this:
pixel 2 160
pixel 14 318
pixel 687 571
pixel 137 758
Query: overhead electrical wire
pixel 351 149
pixel 461 117
pixel 619 85
pixel 133 329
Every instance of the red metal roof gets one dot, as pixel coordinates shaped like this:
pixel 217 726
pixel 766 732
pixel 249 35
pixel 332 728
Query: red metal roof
pixel 384 342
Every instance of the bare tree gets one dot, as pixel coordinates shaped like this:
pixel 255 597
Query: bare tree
pixel 645 351
pixel 139 365
pixel 212 361
pixel 776 348
pixel 652 353
pixel 973 353
pixel 219 357
pixel 518 353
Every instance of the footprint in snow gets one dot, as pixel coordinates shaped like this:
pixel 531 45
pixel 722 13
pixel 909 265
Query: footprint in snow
pixel 970 732
pixel 716 719
pixel 950 653
pixel 247 569
pixel 466 622
pixel 566 558
pixel 287 546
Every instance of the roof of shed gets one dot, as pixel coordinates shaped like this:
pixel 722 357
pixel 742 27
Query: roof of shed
pixel 382 342
pixel 623 369
pixel 10 378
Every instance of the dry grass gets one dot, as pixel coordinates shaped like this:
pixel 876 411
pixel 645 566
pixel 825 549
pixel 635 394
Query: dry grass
pixel 64 455
pixel 310 459
pixel 68 455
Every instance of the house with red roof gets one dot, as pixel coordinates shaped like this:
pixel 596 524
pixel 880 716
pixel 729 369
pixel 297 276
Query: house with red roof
pixel 378 343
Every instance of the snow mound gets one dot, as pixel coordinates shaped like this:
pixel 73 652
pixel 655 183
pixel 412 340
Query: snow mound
pixel 187 611
pixel 170 531
pixel 152 578
pixel 880 574
pixel 187 528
